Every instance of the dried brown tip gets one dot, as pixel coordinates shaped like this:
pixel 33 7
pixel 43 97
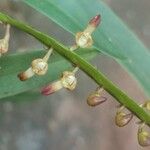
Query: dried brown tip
pixel 22 76
pixel 95 21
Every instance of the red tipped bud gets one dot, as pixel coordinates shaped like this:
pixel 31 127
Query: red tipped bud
pixel 68 81
pixel 84 39
pixel 52 88
pixel 95 21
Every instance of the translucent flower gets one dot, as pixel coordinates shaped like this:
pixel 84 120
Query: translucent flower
pixel 96 97
pixel 68 81
pixel 39 67
pixel 84 39
pixel 143 136
pixel 122 118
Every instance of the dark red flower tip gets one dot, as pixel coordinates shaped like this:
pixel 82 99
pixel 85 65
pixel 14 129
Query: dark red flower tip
pixel 47 90
pixel 95 21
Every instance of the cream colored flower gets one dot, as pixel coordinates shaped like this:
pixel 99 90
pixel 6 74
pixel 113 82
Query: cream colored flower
pixel 39 67
pixel 143 136
pixel 68 81
pixel 84 39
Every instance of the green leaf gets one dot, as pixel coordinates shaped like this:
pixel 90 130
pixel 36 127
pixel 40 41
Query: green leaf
pixel 112 37
pixel 23 97
pixel 13 64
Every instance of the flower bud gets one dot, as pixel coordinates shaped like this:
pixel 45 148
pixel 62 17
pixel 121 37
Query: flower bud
pixel 122 118
pixel 84 39
pixel 96 98
pixel 68 81
pixel 38 66
pixel 143 137
pixel 52 88
pixel 4 43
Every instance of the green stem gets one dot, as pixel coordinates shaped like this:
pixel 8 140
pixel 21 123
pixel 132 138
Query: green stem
pixel 96 75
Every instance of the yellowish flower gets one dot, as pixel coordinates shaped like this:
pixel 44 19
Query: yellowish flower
pixel 68 81
pixel 39 67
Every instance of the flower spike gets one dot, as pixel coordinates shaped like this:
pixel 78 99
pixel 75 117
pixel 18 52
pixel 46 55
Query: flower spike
pixel 96 97
pixel 143 136
pixel 39 67
pixel 68 81
pixel 4 43
pixel 84 39
pixel 122 118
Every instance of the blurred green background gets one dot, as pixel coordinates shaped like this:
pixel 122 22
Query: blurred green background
pixel 64 120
